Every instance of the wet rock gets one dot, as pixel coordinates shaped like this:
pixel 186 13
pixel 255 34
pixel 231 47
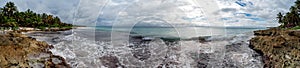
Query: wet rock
pixel 234 47
pixel 136 38
pixel 202 39
pixel 279 48
pixel 110 61
pixel 141 53
pixel 171 39
pixel 56 40
pixel 56 62
pixel 202 59
pixel 140 47
pixel 140 50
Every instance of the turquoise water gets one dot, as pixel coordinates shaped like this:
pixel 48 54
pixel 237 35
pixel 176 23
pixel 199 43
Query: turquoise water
pixel 181 32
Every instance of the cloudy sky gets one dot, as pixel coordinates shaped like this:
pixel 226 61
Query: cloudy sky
pixel 246 13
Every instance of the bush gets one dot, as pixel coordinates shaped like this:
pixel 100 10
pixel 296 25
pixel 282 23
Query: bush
pixel 42 27
pixel 15 28
pixel 295 28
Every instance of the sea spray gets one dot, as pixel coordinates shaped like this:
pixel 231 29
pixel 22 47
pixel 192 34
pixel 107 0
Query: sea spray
pixel 218 51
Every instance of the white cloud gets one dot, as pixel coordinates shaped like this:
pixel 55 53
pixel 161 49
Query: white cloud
pixel 187 12
pixel 260 9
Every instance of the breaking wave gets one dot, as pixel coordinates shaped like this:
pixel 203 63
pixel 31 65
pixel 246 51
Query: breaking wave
pixel 216 52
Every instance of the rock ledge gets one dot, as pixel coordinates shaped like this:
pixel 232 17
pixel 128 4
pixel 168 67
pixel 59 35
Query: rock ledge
pixel 279 48
pixel 20 51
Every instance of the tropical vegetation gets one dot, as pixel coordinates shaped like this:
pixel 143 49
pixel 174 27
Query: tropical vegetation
pixel 290 19
pixel 12 18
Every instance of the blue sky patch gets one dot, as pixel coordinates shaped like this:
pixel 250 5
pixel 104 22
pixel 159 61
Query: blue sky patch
pixel 246 14
pixel 257 19
pixel 239 2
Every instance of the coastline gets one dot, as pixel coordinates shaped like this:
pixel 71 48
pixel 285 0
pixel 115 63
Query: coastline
pixel 238 48
pixel 28 29
pixel 20 50
pixel 279 48
pixel 232 48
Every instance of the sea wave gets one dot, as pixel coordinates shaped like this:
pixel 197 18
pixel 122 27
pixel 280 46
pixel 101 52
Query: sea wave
pixel 219 51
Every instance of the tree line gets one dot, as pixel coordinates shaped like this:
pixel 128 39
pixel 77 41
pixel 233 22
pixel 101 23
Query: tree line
pixel 290 19
pixel 11 17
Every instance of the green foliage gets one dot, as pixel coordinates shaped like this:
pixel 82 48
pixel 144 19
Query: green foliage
pixel 9 9
pixel 290 19
pixel 11 17
pixel 15 28
pixel 295 28
pixel 41 27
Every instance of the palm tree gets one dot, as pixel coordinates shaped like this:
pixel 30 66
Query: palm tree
pixel 293 9
pixel 10 17
pixel 279 16
pixel 9 9
pixel 293 16
pixel 291 19
pixel 1 11
pixel 297 4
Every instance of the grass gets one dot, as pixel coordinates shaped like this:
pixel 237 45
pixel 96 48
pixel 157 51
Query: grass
pixel 296 28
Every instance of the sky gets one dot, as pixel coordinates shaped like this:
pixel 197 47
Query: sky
pixel 235 13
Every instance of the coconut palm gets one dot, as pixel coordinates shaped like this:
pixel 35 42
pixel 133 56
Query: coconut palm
pixel 297 4
pixel 10 17
pixel 280 16
pixel 9 9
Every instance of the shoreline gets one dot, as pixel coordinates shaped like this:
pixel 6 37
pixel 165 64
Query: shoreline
pixel 197 39
pixel 280 48
pixel 233 48
pixel 21 50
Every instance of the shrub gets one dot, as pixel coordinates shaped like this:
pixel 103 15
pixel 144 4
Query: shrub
pixel 42 27
pixel 295 28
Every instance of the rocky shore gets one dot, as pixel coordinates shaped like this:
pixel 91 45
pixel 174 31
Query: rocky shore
pixel 20 51
pixel 279 48
pixel 28 29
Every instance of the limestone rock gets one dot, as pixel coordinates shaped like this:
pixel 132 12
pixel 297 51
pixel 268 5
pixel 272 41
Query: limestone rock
pixel 18 50
pixel 280 48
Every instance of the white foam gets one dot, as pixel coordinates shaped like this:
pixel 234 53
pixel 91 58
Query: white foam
pixel 81 52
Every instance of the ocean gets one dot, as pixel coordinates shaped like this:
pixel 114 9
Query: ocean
pixel 149 47
pixel 180 32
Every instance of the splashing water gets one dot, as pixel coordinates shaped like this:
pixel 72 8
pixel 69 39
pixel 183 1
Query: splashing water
pixel 227 51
